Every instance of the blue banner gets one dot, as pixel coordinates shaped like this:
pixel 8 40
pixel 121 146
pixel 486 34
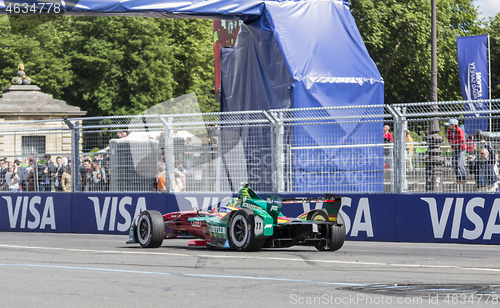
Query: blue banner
pixel 35 212
pixel 112 213
pixel 473 72
pixel 438 218
pixel 449 218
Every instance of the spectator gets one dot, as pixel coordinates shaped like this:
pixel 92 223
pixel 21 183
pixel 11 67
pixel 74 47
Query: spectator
pixel 5 168
pixel 49 169
pixel 66 178
pixel 484 173
pixel 387 134
pixel 486 146
pixel 96 178
pixel 12 179
pixel 161 178
pixel 456 138
pixel 180 177
pixel 471 148
pixel 122 134
pixel 387 149
pixel 21 174
pixel 409 150
pixel 85 174
pixel 58 174
pixel 30 175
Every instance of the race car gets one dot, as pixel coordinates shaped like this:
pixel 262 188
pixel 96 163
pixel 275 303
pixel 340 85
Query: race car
pixel 248 223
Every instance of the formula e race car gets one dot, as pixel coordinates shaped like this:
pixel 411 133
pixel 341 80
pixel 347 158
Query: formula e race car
pixel 248 223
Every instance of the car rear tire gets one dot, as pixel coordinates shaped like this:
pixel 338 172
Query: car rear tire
pixel 317 215
pixel 150 229
pixel 336 236
pixel 240 232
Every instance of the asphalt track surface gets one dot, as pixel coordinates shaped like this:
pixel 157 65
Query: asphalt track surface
pixel 82 270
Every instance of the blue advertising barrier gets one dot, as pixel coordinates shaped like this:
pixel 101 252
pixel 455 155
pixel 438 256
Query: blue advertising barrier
pixel 112 213
pixel 447 218
pixel 35 212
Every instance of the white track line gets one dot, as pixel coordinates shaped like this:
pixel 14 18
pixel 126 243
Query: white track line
pixel 340 284
pixel 148 252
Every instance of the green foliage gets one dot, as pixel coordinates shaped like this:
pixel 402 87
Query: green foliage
pixel 194 61
pixel 45 63
pixel 122 64
pixel 494 31
pixel 397 34
pixel 112 65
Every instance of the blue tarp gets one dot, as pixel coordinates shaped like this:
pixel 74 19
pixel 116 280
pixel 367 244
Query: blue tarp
pixel 215 9
pixel 303 54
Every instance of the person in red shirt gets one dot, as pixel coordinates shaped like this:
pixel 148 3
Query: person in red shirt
pixel 456 138
pixel 388 151
pixel 471 148
pixel 387 134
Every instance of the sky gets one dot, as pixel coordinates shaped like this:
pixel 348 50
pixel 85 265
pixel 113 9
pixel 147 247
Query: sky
pixel 487 8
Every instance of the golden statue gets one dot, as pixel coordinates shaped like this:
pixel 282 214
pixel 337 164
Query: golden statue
pixel 21 77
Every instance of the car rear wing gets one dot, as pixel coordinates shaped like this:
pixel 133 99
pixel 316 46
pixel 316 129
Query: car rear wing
pixel 327 198
pixel 331 202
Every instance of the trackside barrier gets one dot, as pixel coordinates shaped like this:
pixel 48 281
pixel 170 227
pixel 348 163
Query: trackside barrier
pixel 301 150
pixel 446 218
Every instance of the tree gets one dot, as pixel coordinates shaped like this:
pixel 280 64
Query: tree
pixel 112 65
pixel 194 61
pixel 397 35
pixel 121 65
pixel 40 51
pixel 494 31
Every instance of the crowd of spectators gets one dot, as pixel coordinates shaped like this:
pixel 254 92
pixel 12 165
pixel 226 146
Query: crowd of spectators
pixel 46 176
pixel 475 161
pixel 26 175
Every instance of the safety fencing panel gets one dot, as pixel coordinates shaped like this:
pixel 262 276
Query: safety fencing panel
pixel 312 150
pixel 335 149
pixel 470 166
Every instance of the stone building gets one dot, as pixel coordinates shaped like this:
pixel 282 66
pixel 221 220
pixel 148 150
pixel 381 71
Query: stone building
pixel 20 104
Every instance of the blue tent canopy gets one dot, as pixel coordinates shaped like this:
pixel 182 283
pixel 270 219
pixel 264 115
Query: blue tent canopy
pixel 215 9
pixel 303 54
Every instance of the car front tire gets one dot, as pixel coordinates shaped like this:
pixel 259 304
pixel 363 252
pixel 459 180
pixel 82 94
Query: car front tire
pixel 150 229
pixel 241 232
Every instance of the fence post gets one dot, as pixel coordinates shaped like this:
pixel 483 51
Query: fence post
pixel 277 164
pixel 394 174
pixel 75 166
pixel 75 151
pixel 279 157
pixel 169 153
pixel 400 124
pixel 404 153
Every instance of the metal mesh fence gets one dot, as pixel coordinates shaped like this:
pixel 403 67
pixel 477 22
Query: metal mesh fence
pixel 327 150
